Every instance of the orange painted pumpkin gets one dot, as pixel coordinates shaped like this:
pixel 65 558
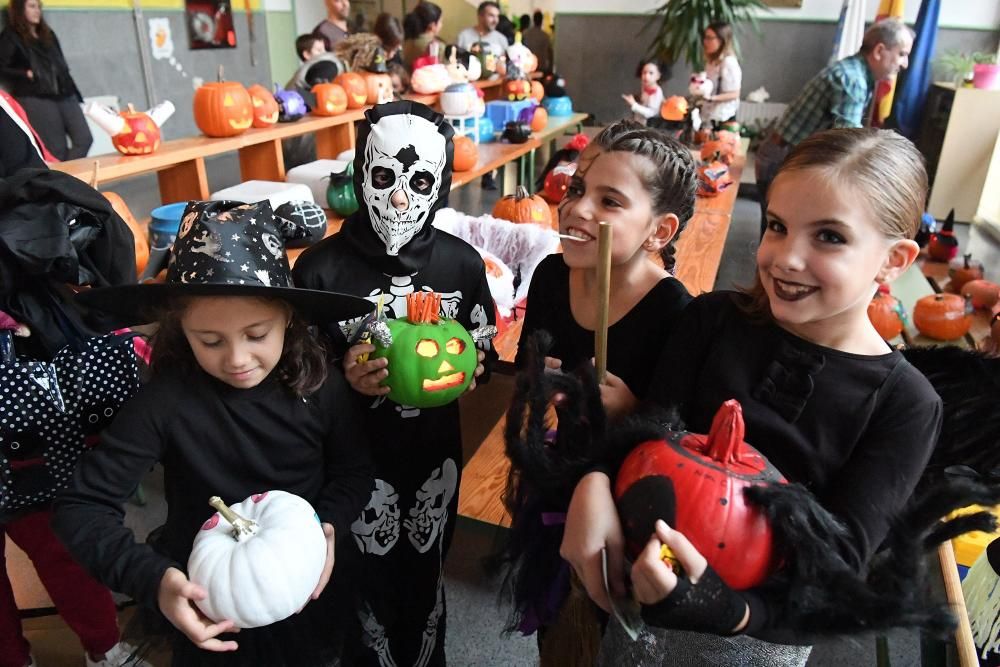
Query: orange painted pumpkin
pixel 379 87
pixel 674 108
pixel 943 316
pixel 537 91
pixel 222 108
pixel 265 107
pixel 540 119
pixel 962 271
pixel 982 293
pixel 138 231
pixel 331 100
pixel 886 315
pixel 140 136
pixel 466 154
pixel 355 87
pixel 523 207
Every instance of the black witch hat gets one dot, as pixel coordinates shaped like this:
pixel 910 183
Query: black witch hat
pixel 226 248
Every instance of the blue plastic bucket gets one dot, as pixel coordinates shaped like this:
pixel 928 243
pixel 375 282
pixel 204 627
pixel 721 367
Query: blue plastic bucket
pixel 163 226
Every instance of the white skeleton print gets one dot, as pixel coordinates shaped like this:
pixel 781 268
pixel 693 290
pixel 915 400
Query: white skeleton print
pixel 404 159
pixel 377 529
pixel 375 637
pixel 429 513
pixel 429 638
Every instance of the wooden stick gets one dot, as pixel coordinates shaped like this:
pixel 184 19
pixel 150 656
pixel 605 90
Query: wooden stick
pixel 603 297
pixel 965 645
pixel 94 175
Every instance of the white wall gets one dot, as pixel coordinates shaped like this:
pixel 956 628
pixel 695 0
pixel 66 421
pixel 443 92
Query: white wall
pixel 983 14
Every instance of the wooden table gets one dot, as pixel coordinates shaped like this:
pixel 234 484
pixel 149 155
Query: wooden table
pixel 495 155
pixel 699 250
pixel 180 163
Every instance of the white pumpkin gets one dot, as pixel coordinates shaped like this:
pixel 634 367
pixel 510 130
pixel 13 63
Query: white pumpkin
pixel 260 561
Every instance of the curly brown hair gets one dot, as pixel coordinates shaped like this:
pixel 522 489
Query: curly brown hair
pixel 302 366
pixel 18 21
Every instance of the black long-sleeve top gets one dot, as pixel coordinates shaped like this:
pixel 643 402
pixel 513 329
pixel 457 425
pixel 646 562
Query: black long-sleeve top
pixel 212 439
pixel 633 341
pixel 856 430
pixel 16 60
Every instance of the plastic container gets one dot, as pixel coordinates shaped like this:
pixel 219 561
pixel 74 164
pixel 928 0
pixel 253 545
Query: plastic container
pixel 502 113
pixel 986 76
pixel 163 226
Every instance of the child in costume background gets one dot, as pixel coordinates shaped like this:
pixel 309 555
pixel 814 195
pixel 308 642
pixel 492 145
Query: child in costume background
pixel 828 402
pixel 651 95
pixel 241 402
pixel 388 249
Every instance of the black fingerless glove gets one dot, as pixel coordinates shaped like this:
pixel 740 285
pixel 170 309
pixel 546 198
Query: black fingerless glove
pixel 708 606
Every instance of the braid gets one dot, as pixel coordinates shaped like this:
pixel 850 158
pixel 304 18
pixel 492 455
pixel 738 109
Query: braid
pixel 672 182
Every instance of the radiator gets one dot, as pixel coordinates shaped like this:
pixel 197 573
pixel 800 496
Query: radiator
pixel 759 113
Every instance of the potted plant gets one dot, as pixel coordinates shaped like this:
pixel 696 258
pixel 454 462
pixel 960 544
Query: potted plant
pixel 985 71
pixel 683 21
pixel 957 66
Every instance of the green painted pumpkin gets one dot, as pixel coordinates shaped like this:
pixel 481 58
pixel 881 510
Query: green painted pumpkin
pixel 432 361
pixel 340 192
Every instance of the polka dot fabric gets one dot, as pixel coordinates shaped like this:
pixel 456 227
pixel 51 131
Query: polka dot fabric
pixel 53 411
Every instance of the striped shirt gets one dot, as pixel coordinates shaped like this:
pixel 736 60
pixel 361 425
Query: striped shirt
pixel 836 97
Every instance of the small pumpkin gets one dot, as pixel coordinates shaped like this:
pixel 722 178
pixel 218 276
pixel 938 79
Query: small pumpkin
pixel 260 560
pixel 340 192
pixel 674 108
pixel 963 271
pixel 138 231
pixel 523 207
pixel 982 293
pixel 943 316
pixel 887 315
pixel 378 87
pixel 943 246
pixel 537 91
pixel 557 182
pixel 466 154
pixel 713 178
pixel 222 108
pixel 540 119
pixel 265 107
pixel 695 483
pixel 432 361
pixel 331 100
pixel 355 87
pixel 140 136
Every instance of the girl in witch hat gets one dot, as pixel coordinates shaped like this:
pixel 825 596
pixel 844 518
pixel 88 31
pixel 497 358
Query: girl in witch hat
pixel 241 401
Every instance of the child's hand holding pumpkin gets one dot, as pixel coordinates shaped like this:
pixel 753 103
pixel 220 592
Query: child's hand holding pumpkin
pixel 324 578
pixel 176 601
pixel 480 369
pixel 365 376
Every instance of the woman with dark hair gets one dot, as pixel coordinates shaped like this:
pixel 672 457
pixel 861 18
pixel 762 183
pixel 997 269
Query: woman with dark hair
pixel 723 71
pixel 36 73
pixel 390 32
pixel 421 28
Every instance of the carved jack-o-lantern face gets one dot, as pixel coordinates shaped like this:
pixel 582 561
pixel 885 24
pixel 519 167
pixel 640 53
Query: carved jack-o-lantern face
pixel 222 109
pixel 378 87
pixel 431 361
pixel 140 135
pixel 354 85
pixel 331 100
pixel 265 107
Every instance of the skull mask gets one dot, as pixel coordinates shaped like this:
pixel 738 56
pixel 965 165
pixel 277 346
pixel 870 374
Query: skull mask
pixel 377 529
pixel 404 159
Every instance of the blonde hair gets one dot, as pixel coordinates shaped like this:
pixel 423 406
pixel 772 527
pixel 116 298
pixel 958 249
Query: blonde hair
pixel 882 167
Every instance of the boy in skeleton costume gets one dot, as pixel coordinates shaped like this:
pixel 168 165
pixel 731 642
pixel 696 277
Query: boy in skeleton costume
pixel 402 174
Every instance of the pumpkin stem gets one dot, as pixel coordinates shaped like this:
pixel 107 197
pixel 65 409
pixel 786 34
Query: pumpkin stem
pixel 725 438
pixel 219 75
pixel 967 257
pixel 242 528
pixel 131 108
pixel 521 193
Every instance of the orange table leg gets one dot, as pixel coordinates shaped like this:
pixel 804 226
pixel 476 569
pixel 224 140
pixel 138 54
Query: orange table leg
pixel 334 140
pixel 183 181
pixel 262 162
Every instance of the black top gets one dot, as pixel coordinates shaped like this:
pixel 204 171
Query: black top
pixel 856 430
pixel 212 439
pixel 634 341
pixel 51 77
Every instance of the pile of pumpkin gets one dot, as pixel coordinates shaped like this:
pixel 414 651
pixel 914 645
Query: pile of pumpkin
pixel 717 153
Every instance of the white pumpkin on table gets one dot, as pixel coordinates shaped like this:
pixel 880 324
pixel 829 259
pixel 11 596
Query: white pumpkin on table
pixel 259 560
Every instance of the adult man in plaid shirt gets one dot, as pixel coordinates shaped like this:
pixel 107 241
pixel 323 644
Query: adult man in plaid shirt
pixel 839 96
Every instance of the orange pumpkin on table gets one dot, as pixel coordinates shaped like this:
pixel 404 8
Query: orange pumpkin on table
pixel 674 108
pixel 943 316
pixel 540 119
pixel 466 154
pixel 982 293
pixel 524 207
pixel 378 87
pixel 222 108
pixel 964 270
pixel 537 91
pixel 886 315
pixel 331 100
pixel 138 231
pixel 265 107
pixel 355 87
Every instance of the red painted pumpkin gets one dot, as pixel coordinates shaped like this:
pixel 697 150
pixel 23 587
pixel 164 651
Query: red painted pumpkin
pixel 695 483
pixel 378 87
pixel 523 207
pixel 265 107
pixel 982 293
pixel 886 315
pixel 355 87
pixel 943 316
pixel 943 246
pixel 466 154
pixel 331 100
pixel 140 136
pixel 222 108
pixel 963 271
pixel 557 182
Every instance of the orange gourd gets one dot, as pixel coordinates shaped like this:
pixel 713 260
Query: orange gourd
pixel 982 293
pixel 886 315
pixel 540 119
pixel 265 107
pixel 943 316
pixel 466 154
pixel 674 108
pixel 523 207
pixel 222 108
pixel 355 87
pixel 331 99
pixel 963 271
pixel 138 231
